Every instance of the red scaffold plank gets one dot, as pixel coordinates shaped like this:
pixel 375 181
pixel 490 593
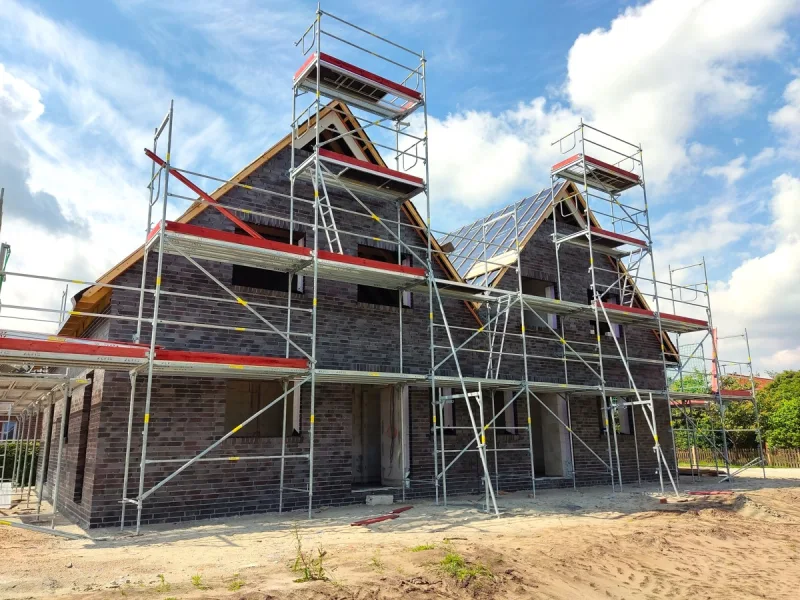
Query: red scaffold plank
pixel 230 359
pixel 225 212
pixel 366 166
pixel 235 238
pixel 97 349
pixel 335 63
pixel 617 236
pixel 368 262
pixel 641 311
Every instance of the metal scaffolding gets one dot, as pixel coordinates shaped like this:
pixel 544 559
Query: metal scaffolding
pixel 610 228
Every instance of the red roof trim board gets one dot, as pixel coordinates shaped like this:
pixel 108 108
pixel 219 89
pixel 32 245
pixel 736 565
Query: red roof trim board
pixel 649 313
pixel 101 349
pixel 331 61
pixel 597 163
pixel 369 167
pixel 617 236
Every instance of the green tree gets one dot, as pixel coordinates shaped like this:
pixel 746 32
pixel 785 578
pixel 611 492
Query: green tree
pixel 778 403
pixel 739 414
pixel 784 425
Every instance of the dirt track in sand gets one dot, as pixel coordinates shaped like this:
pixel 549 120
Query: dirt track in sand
pixel 565 544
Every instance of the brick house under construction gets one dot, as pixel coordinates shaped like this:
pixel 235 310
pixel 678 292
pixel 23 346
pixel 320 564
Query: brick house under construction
pixel 301 337
pixel 373 395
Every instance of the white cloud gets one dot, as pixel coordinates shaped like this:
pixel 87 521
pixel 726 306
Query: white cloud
pixel 786 119
pixel 740 166
pixel 20 104
pixel 732 172
pixel 763 292
pixel 654 75
pixel 478 158
pixel 763 158
pixel 75 114
pixel 660 69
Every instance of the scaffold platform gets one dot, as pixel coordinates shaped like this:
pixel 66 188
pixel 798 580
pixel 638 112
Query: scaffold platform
pixel 341 80
pixel 597 174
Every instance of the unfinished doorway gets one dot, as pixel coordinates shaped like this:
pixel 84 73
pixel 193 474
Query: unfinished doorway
pixel 551 444
pixel 379 445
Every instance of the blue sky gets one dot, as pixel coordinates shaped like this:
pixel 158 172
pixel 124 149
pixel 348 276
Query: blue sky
pixel 710 88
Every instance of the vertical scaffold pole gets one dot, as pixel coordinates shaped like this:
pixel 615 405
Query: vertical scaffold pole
pixel 759 441
pixel 21 421
pixel 317 208
pixel 126 473
pixel 138 335
pixel 154 323
pixel 67 392
pixel 435 406
pixel 718 393
pixel 33 453
pixel 282 476
pixel 595 300
pixel 6 435
pixel 48 433
pixel 661 335
pixel 525 345
pixel 560 297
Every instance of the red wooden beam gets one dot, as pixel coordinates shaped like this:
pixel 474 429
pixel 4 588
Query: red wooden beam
pixel 225 212
pixel 372 520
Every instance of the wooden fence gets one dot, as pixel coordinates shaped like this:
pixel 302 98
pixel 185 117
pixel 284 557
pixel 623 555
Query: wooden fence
pixel 774 457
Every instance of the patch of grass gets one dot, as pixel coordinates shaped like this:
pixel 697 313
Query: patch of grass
pixel 457 567
pixel 197 581
pixel 162 586
pixel 376 562
pixel 422 548
pixel 236 583
pixel 309 567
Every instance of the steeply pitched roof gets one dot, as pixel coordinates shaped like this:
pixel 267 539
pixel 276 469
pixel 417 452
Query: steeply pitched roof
pixel 484 249
pixel 97 298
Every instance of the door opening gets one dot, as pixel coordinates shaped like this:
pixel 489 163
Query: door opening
pixel 379 447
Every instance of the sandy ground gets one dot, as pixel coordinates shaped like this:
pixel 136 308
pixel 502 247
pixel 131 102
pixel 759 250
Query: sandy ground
pixel 584 544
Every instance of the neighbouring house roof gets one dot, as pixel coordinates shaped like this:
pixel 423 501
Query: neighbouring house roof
pixel 97 298
pixel 760 382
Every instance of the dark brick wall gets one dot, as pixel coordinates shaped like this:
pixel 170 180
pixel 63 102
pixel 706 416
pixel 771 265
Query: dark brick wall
pixel 188 414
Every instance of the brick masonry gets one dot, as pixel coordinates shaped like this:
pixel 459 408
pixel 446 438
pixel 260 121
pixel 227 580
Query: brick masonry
pixel 188 414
